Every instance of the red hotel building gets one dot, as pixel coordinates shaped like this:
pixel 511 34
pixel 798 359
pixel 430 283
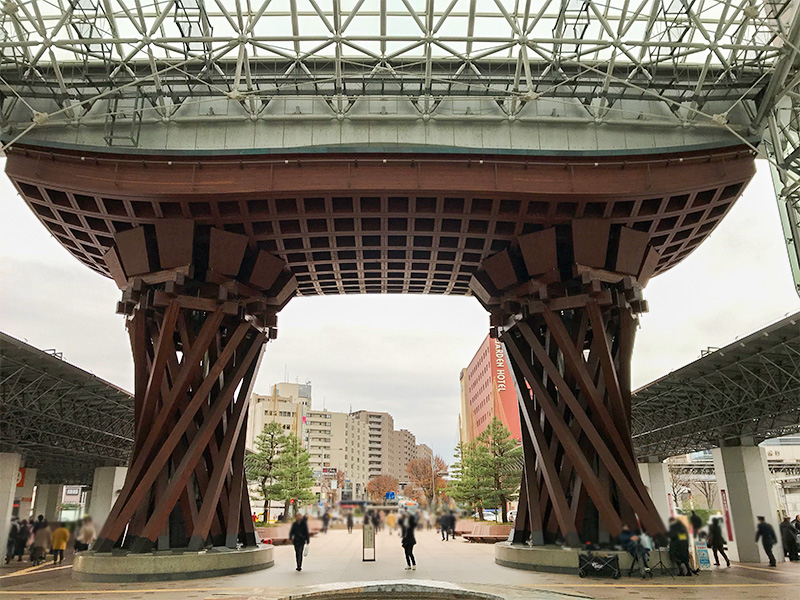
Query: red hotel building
pixel 487 390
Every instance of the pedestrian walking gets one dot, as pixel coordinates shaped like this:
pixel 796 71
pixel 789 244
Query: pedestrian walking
pixel 766 533
pixel 391 522
pixel 441 521
pixel 40 522
pixel 59 541
pixel 408 540
pixel 716 541
pixel 42 541
pixel 376 520
pixel 789 539
pixel 12 540
pixel 349 522
pixel 21 539
pixel 299 536
pixel 326 519
pixel 696 523
pixel 451 525
pixel 86 535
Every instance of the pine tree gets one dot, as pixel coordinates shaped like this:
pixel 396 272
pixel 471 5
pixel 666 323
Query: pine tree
pixel 469 484
pixel 497 460
pixel 295 475
pixel 261 467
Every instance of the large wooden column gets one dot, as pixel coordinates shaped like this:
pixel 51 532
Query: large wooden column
pixel 564 302
pixel 200 307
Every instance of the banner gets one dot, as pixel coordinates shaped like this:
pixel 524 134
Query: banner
pixel 21 477
pixel 724 495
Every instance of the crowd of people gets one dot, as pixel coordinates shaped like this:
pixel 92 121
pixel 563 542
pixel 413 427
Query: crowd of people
pixel 38 539
pixel 639 546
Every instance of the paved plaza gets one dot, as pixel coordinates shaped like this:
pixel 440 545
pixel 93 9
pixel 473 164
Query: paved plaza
pixel 336 557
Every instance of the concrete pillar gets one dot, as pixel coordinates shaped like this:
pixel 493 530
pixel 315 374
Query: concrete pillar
pixel 107 483
pixel 9 468
pixel 746 492
pixel 655 475
pixel 25 494
pixel 48 501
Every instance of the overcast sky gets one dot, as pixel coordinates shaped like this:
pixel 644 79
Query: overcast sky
pixel 402 354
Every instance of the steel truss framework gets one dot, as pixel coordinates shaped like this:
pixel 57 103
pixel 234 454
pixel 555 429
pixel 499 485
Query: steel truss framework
pixel 728 64
pixel 64 420
pixel 748 390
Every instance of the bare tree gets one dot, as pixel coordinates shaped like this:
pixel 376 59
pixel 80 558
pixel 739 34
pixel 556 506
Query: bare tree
pixel 679 482
pixel 708 488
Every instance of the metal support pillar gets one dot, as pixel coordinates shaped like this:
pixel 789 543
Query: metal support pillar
pixel 106 485
pixel 655 475
pixel 746 492
pixel 48 501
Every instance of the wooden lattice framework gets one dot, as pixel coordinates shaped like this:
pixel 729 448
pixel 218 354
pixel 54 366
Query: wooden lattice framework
pixel 564 302
pixel 200 306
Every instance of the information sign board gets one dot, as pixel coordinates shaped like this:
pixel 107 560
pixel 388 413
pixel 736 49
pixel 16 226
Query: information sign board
pixel 368 546
pixel 703 559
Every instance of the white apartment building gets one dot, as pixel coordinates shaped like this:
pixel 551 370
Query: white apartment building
pixel 287 404
pixel 338 440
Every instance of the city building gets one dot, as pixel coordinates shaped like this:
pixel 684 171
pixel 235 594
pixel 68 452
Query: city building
pixel 337 444
pixel 487 391
pixel 381 442
pixel 405 450
pixel 287 404
pixel 423 452
pixel 359 446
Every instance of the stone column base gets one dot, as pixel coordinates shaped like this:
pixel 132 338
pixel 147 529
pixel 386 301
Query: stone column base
pixel 169 565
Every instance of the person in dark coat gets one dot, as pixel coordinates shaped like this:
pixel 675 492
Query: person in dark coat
pixel 299 536
pixel 789 539
pixel 12 540
pixel 349 522
pixel 716 541
pixel 408 524
pixel 326 519
pixel 632 544
pixel 21 541
pixel 766 534
pixel 444 526
pixel 696 522
pixel 451 525
pixel 679 547
pixel 40 522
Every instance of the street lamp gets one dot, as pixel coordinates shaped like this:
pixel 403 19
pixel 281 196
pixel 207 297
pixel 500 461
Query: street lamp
pixel 434 474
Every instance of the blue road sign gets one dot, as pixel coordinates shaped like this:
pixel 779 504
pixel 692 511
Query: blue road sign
pixel 390 495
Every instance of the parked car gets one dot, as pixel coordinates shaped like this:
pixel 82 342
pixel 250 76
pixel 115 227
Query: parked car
pixel 488 515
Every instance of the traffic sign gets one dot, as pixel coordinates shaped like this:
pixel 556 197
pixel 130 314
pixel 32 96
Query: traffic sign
pixel 390 495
